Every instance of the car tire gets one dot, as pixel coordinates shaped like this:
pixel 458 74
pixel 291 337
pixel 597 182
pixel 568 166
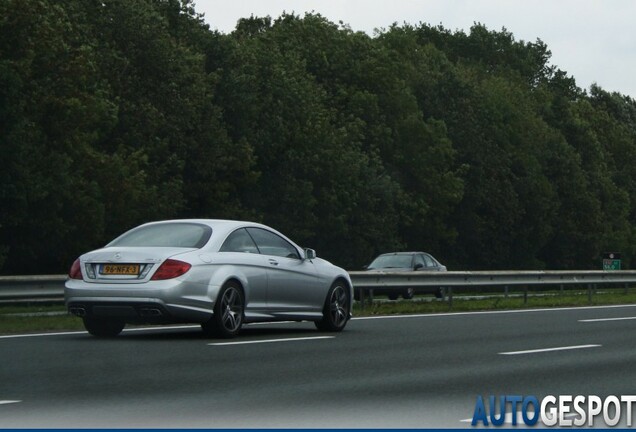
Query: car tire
pixel 335 313
pixel 408 294
pixel 103 328
pixel 393 296
pixel 439 293
pixel 229 312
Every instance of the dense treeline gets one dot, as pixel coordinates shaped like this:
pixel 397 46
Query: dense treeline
pixel 471 146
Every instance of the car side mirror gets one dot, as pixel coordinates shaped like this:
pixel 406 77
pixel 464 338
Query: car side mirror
pixel 310 254
pixel 418 266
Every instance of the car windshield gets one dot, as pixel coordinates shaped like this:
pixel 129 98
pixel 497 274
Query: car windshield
pixel 185 235
pixel 391 261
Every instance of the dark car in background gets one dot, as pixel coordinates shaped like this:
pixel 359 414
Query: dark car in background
pixel 405 262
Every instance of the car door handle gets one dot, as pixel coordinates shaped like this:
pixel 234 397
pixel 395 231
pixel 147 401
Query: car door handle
pixel 273 262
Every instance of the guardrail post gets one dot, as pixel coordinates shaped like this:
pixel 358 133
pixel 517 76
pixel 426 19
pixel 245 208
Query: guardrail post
pixel 506 291
pixel 525 294
pixel 361 297
pixel 626 288
pixel 589 293
pixel 450 297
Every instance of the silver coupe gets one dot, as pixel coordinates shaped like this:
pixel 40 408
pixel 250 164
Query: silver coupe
pixel 218 273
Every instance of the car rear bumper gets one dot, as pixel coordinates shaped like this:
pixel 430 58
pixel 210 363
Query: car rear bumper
pixel 136 311
pixel 163 302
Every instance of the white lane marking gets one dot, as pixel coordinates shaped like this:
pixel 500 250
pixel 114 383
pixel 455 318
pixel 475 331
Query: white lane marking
pixel 5 402
pixel 565 348
pixel 177 327
pixel 40 335
pixel 608 319
pixel 130 330
pixel 497 312
pixel 270 341
pixel 507 420
pixel 531 414
pixel 431 315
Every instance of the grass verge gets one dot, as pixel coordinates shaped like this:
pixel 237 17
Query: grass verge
pixel 48 318
pixel 36 319
pixel 469 304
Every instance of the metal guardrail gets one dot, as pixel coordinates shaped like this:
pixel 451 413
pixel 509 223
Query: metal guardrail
pixel 369 280
pixel 51 287
pixel 32 288
pixel 365 282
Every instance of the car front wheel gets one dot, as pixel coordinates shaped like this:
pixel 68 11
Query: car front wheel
pixel 103 328
pixel 336 310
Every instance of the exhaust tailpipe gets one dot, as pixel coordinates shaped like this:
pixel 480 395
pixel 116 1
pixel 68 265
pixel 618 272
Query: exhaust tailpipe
pixel 149 312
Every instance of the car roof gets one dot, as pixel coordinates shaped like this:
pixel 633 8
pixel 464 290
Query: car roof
pixel 222 227
pixel 401 253
pixel 213 223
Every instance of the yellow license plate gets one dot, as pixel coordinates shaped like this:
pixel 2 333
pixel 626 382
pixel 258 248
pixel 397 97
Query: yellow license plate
pixel 120 269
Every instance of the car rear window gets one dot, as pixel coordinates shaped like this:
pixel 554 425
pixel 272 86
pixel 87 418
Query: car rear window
pixel 185 235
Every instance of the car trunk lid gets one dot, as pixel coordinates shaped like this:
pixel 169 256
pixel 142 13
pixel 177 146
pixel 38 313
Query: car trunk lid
pixel 126 264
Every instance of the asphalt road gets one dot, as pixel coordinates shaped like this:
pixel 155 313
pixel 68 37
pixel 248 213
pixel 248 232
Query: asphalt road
pixel 397 372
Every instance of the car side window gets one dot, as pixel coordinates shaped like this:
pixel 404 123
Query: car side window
pixel 269 243
pixel 429 261
pixel 419 260
pixel 239 241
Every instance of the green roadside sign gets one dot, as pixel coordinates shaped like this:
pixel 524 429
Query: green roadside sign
pixel 609 264
pixel 611 261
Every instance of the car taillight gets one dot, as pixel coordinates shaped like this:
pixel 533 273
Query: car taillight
pixel 75 272
pixel 171 269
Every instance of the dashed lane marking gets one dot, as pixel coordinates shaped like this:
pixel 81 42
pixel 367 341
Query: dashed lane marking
pixel 270 341
pixel 542 350
pixel 607 319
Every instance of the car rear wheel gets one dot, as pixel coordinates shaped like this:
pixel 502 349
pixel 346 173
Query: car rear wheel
pixel 336 310
pixel 103 328
pixel 228 312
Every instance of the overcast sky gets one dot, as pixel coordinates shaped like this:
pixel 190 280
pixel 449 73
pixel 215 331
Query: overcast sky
pixel 593 40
